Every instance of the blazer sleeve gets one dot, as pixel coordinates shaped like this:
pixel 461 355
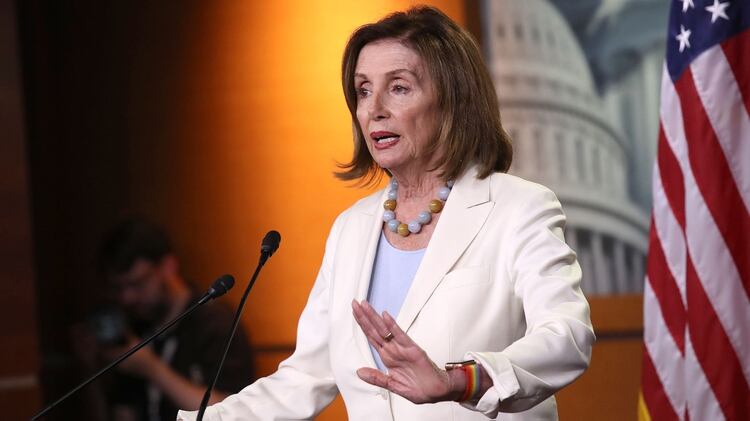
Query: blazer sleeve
pixel 556 347
pixel 303 385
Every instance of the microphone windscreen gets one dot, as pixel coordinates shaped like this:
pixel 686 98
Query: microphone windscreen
pixel 270 242
pixel 220 286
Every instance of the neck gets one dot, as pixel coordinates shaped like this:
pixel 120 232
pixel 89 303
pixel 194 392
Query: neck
pixel 416 186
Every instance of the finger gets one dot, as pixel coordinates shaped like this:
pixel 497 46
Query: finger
pixel 399 335
pixel 364 323
pixel 373 336
pixel 373 376
pixel 376 319
pixel 380 379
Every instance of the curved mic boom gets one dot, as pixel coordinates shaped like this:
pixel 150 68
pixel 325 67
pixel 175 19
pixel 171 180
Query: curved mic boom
pixel 269 245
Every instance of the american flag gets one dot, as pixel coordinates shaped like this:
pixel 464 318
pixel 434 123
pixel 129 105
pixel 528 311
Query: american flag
pixel 696 360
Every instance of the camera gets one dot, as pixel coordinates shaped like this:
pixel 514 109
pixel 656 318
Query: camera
pixel 108 326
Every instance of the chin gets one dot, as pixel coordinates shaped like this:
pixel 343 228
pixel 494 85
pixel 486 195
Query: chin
pixel 389 163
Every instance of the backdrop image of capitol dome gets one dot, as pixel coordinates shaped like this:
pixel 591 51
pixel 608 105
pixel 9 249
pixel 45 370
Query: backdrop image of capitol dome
pixel 578 84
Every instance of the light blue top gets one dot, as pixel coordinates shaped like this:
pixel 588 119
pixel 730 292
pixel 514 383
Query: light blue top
pixel 392 275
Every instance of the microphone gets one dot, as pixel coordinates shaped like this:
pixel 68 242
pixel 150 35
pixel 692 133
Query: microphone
pixel 268 247
pixel 220 286
pixel 270 243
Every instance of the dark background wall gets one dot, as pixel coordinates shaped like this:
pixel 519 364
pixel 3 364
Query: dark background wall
pixel 19 359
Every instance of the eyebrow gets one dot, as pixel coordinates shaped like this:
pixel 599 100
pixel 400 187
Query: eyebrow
pixel 391 73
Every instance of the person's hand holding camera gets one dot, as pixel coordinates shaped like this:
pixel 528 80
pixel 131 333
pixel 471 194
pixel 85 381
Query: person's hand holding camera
pixel 142 364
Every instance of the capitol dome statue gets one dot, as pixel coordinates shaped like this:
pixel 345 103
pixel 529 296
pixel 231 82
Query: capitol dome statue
pixel 565 138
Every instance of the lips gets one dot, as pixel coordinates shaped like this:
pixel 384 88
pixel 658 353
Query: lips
pixel 384 139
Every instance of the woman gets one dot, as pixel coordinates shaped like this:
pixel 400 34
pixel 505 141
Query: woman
pixel 456 264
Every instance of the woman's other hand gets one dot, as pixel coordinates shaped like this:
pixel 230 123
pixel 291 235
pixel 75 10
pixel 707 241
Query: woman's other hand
pixel 411 373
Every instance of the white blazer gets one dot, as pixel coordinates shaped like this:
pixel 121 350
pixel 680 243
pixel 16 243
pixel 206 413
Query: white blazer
pixel 497 283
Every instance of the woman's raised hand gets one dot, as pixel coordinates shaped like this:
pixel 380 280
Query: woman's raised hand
pixel 411 373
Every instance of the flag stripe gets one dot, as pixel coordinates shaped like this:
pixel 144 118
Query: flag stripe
pixel 719 362
pixel 658 404
pixel 714 179
pixel 736 52
pixel 722 103
pixel 659 342
pixel 672 178
pixel 665 291
pixel 669 230
pixel 700 400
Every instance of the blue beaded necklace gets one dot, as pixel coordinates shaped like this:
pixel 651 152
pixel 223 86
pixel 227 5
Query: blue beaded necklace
pixel 424 217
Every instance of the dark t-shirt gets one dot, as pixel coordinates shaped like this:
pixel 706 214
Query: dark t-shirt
pixel 193 349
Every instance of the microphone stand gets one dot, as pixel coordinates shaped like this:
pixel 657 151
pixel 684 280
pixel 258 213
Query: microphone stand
pixel 206 297
pixel 267 250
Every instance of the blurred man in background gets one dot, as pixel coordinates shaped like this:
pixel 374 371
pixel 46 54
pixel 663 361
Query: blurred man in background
pixel 147 290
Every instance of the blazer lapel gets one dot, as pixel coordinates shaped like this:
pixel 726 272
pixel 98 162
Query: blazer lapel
pixel 464 214
pixel 370 223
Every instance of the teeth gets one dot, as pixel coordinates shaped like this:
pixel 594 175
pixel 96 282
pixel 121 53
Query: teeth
pixel 387 139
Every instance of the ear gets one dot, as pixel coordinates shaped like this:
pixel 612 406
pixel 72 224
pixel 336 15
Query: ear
pixel 169 265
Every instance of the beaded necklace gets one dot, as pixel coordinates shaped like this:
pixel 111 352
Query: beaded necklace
pixel 424 217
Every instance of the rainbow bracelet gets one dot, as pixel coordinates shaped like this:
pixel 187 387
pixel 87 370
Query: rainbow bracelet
pixel 472 381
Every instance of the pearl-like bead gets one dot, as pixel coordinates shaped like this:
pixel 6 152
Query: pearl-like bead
pixel 449 183
pixel 403 230
pixel 394 184
pixel 389 215
pixel 390 205
pixel 435 206
pixel 424 217
pixel 443 193
pixel 393 194
pixel 414 227
pixel 393 225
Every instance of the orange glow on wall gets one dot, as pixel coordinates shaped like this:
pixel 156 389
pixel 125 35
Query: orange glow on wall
pixel 262 121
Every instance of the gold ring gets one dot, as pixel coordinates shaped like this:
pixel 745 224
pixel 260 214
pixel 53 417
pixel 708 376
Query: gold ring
pixel 388 337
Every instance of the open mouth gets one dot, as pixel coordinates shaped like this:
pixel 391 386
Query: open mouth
pixel 384 138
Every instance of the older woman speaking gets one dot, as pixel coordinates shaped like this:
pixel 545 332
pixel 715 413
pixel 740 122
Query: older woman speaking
pixel 451 294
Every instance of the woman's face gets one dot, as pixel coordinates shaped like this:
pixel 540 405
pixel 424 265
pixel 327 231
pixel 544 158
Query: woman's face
pixel 397 106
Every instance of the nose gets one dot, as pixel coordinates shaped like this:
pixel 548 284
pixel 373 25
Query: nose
pixel 378 109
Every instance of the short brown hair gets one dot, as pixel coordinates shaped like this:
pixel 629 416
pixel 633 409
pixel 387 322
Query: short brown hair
pixel 470 131
pixel 132 239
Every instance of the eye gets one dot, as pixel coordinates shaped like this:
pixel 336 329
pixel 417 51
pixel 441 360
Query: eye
pixel 362 92
pixel 400 89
